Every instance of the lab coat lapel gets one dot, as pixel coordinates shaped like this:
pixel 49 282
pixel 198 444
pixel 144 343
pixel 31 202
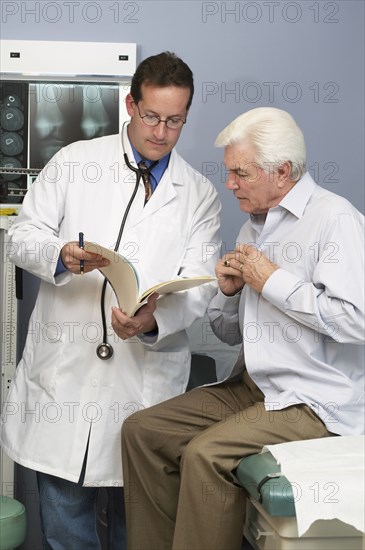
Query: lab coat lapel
pixel 163 194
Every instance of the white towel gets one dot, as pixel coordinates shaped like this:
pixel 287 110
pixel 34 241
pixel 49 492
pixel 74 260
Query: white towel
pixel 327 476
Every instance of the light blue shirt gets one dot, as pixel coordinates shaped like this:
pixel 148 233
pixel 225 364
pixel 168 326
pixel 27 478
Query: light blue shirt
pixel 158 171
pixel 303 335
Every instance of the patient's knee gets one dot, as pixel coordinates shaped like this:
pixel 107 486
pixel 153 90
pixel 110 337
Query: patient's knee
pixel 198 450
pixel 133 425
pixel 142 428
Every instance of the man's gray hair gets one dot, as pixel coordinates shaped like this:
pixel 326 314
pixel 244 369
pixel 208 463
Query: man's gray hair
pixel 275 136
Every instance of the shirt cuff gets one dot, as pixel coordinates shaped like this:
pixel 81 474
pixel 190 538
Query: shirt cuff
pixel 60 267
pixel 279 286
pixel 151 332
pixel 226 304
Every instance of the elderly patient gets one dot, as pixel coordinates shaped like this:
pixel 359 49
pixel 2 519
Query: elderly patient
pixel 292 293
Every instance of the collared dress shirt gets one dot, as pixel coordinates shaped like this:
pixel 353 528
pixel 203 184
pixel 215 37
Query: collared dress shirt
pixel 303 335
pixel 157 171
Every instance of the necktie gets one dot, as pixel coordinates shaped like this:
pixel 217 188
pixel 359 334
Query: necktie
pixel 146 180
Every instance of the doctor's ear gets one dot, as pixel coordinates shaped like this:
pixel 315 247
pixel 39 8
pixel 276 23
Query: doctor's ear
pixel 130 105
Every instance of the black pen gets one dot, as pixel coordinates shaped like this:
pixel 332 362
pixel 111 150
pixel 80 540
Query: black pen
pixel 81 245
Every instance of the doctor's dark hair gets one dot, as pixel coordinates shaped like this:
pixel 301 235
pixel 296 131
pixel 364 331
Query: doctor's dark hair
pixel 164 69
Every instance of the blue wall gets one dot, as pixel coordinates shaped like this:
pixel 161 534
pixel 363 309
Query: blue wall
pixel 306 57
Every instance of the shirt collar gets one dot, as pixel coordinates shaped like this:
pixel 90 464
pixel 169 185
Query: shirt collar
pixel 294 202
pixel 160 167
pixel 297 199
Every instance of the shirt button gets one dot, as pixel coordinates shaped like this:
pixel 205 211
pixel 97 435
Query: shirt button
pixel 94 382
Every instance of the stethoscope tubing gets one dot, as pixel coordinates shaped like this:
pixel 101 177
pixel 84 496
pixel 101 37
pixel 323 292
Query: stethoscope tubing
pixel 105 350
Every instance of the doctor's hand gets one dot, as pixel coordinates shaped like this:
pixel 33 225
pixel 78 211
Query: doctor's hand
pixel 143 321
pixel 72 254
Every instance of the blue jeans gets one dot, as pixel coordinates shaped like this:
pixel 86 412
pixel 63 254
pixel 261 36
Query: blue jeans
pixel 69 515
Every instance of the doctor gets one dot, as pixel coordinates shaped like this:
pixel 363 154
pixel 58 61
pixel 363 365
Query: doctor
pixel 65 409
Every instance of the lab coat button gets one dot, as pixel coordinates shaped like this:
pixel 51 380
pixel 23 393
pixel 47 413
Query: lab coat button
pixel 94 382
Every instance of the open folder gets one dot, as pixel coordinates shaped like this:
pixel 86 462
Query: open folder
pixel 123 278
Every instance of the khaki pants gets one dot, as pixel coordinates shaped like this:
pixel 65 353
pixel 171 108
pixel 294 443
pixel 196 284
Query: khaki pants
pixel 178 462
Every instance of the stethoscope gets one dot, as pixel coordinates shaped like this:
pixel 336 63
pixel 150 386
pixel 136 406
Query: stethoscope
pixel 105 350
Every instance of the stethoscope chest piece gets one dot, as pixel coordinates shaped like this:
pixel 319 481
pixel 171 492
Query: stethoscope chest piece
pixel 104 351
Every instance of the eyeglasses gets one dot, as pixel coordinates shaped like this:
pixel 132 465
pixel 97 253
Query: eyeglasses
pixel 174 123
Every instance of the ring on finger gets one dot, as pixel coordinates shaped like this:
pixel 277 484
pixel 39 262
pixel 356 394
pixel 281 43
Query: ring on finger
pixel 241 268
pixel 226 263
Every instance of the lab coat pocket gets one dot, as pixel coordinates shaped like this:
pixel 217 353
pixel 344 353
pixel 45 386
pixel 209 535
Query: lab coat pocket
pixel 166 375
pixel 42 356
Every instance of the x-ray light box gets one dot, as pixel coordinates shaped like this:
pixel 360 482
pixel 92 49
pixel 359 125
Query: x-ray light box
pixel 81 60
pixel 40 112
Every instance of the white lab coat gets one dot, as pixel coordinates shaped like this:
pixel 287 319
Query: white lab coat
pixel 63 394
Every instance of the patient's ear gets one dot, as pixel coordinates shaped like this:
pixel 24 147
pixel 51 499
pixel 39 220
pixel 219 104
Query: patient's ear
pixel 284 171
